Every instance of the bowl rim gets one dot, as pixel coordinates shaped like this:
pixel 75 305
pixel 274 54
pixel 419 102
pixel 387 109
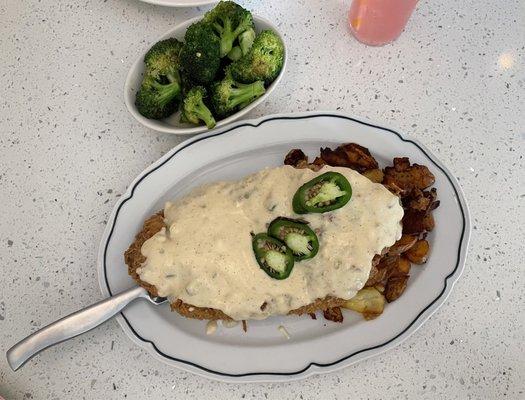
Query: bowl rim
pixel 156 125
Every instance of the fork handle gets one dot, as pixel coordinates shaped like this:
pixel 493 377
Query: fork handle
pixel 70 326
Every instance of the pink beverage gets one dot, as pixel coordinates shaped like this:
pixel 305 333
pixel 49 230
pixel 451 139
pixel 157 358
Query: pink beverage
pixel 378 22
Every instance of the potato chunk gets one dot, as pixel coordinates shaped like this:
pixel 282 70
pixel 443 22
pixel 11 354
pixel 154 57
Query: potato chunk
pixel 395 287
pixel 408 176
pixel 402 245
pixel 375 175
pixel 368 301
pixel 402 267
pixel 350 155
pixel 295 158
pixel 418 254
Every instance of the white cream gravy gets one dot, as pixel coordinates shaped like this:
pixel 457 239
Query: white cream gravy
pixel 204 255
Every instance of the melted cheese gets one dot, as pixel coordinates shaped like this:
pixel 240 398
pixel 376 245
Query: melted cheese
pixel 204 255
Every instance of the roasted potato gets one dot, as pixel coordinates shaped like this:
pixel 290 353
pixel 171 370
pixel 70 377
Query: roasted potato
pixel 319 161
pixel 389 265
pixel 421 200
pixel 376 276
pixel 295 157
pixel 395 287
pixel 417 222
pixel 402 267
pixel 350 155
pixel 375 175
pixel 402 245
pixel 418 254
pixel 368 301
pixel 317 164
pixel 408 177
pixel 380 287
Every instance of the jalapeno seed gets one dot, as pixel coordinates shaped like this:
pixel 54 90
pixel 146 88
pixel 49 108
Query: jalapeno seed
pixel 273 256
pixel 297 235
pixel 326 192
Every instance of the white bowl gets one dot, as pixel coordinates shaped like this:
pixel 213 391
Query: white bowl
pixel 172 123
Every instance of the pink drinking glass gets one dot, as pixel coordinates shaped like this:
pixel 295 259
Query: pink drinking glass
pixel 378 22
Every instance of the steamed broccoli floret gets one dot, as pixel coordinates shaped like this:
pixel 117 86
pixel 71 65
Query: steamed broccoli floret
pixel 264 61
pixel 159 93
pixel 194 110
pixel 156 100
pixel 229 20
pixel 163 58
pixel 200 55
pixel 228 96
pixel 246 40
pixel 235 53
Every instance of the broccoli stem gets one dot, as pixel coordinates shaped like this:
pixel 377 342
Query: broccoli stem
pixel 240 29
pixel 173 76
pixel 245 93
pixel 235 53
pixel 217 27
pixel 167 92
pixel 205 115
pixel 226 44
pixel 246 40
pixel 227 35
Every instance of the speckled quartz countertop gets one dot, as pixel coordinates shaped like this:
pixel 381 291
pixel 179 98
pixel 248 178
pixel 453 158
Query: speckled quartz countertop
pixel 455 80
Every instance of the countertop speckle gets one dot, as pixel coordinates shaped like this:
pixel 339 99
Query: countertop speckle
pixel 455 80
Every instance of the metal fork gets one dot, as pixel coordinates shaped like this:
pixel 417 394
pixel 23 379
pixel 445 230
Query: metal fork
pixel 73 325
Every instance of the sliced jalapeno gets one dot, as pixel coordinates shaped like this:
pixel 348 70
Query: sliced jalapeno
pixel 273 256
pixel 326 192
pixel 297 235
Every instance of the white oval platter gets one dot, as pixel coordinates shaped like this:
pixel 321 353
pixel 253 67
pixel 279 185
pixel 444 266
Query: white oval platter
pixel 315 346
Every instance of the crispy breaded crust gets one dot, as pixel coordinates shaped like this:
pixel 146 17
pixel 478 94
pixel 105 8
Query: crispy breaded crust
pixel 133 256
pixel 134 259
